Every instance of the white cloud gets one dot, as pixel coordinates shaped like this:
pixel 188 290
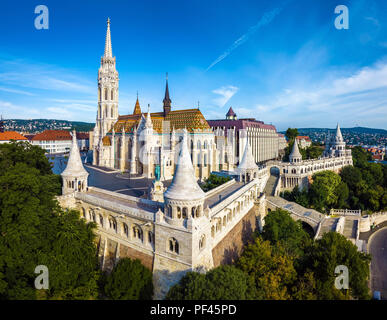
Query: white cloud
pixel 225 92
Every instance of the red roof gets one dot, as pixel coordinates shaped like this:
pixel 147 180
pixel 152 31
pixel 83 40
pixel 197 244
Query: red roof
pixel 82 135
pixel 11 135
pixel 303 137
pixel 52 135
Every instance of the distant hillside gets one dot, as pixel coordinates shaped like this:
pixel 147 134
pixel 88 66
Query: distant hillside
pixel 353 130
pixel 353 136
pixel 39 125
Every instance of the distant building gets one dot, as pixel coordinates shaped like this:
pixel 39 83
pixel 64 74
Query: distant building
pixel 304 141
pixel 263 138
pixel 53 141
pixel 7 136
pixel 83 140
pixel 282 143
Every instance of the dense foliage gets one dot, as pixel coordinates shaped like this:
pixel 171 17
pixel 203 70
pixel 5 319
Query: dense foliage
pixel 213 181
pixel 361 186
pixel 221 283
pixel 129 280
pixel 34 231
pixel 282 263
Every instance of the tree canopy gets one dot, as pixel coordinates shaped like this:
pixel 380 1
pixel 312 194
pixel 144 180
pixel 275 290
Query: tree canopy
pixel 129 280
pixel 34 231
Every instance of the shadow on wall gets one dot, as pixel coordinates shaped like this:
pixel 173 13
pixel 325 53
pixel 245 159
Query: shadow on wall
pixel 163 280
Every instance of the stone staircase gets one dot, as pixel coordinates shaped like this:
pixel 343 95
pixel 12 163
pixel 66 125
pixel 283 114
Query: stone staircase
pixel 329 224
pixel 350 228
pixel 270 185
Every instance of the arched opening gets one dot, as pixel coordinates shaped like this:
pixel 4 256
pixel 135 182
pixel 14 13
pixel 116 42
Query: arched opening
pixel 308 228
pixel 173 245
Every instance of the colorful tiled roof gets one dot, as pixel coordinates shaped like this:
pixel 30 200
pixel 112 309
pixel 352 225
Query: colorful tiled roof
pixel 191 119
pixel 52 135
pixel 11 135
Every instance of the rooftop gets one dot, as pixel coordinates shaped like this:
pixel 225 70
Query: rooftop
pixel 11 135
pixel 52 135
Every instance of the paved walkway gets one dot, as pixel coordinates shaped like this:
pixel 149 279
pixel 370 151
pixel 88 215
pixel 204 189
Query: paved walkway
pixel 378 251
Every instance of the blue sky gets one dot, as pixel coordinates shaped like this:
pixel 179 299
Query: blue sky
pixel 283 62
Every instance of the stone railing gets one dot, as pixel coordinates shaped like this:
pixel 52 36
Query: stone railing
pixel 116 207
pixel 314 221
pixel 219 188
pixel 230 199
pixel 345 212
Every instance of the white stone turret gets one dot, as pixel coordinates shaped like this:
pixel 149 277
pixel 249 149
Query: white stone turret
pixel 247 168
pixel 295 156
pixel 74 176
pixel 184 198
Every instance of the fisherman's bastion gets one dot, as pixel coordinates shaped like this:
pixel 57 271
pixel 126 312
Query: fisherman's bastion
pixel 176 227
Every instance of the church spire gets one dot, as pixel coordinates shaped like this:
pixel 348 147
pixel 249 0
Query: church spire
pixel 108 42
pixel 295 155
pixel 339 136
pixel 137 108
pixel 167 101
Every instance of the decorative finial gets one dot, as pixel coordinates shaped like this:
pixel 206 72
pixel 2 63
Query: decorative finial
pixel 108 20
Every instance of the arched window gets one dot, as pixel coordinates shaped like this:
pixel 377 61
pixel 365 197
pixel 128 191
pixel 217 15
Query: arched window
pixel 199 145
pixel 199 160
pixel 112 94
pixel 205 160
pixel 93 215
pixel 126 229
pixel 173 245
pixel 202 241
pixel 84 213
pixel 193 212
pixel 112 112
pixel 212 231
pixel 113 224
pixel 185 213
pixel 224 221
pixel 178 212
pixel 106 94
pixel 101 219
pixel 205 145
pixel 99 94
pixel 150 237
pixel 137 233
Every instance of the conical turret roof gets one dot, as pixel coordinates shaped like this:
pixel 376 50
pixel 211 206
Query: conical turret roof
pixel 74 166
pixel 184 185
pixel 339 136
pixel 247 162
pixel 295 151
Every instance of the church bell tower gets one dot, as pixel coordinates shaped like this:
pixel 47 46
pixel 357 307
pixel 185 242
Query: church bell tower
pixel 107 113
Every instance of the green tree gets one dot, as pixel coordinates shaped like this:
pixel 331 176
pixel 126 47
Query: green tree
pixel 221 283
pixel 332 250
pixel 271 270
pixel 291 134
pixel 129 280
pixel 323 190
pixel 34 230
pixel 281 228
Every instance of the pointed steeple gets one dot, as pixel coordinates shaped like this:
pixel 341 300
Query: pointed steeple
pixel 137 108
pixel 148 123
pixel 184 185
pixel 295 155
pixel 74 166
pixel 108 42
pixel 339 137
pixel 247 162
pixel 167 101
